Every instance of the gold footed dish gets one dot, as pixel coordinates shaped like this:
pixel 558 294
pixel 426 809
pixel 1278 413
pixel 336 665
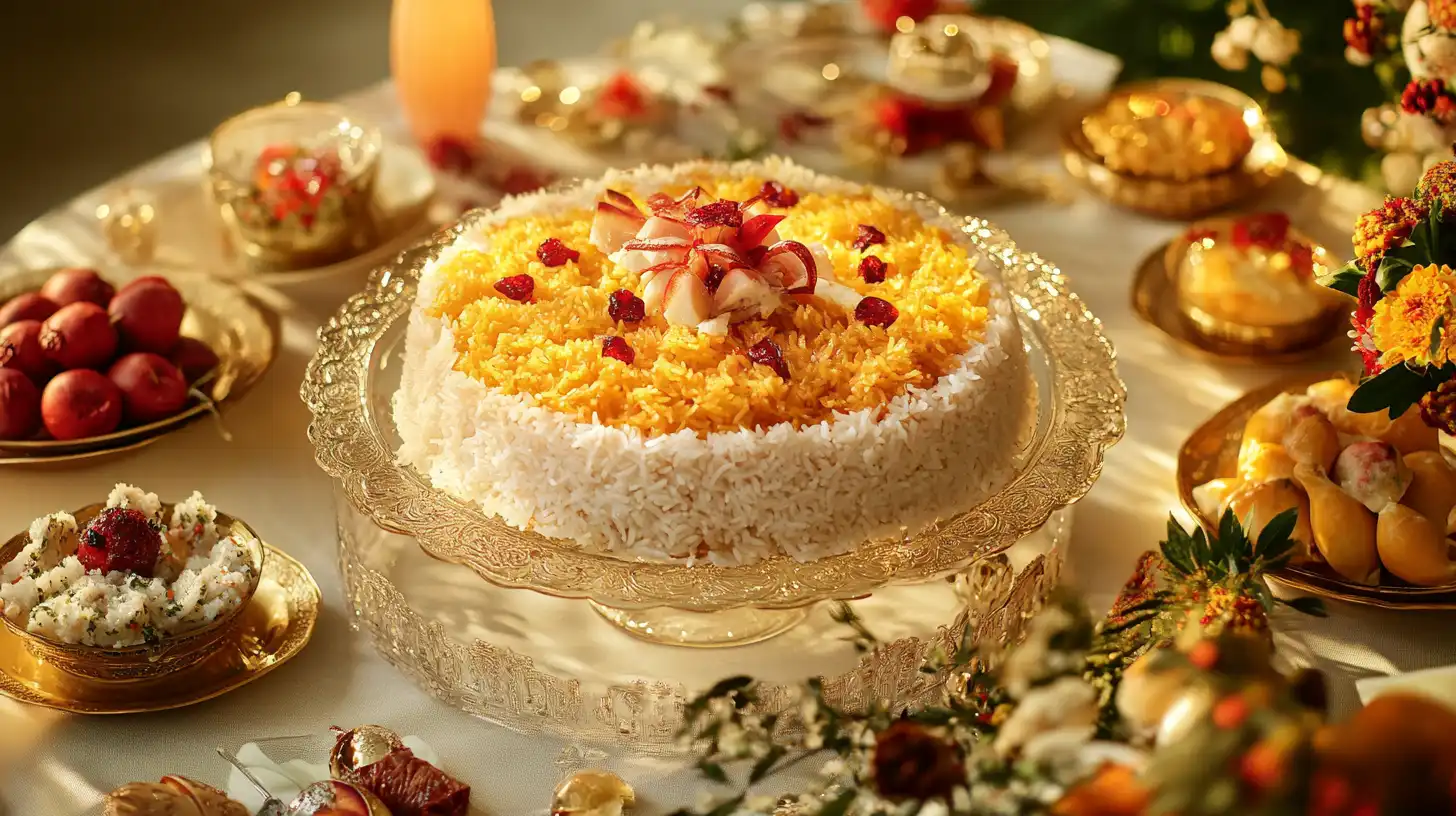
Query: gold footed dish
pixel 1212 452
pixel 271 630
pixel 236 328
pixel 1138 182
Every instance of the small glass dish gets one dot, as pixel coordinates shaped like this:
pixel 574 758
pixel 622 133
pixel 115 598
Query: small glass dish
pixel 144 661
pixel 294 183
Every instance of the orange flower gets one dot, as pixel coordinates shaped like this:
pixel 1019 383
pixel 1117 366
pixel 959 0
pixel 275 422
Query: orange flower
pixel 1443 13
pixel 1385 228
pixel 1439 184
pixel 1114 790
pixel 1406 318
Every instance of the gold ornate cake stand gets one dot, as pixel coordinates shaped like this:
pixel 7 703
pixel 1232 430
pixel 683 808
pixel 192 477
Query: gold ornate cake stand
pixel 353 376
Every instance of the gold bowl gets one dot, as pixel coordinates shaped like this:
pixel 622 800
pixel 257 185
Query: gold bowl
pixel 1212 452
pixel 148 660
pixel 1178 198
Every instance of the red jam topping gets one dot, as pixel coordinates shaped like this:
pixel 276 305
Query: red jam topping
pixel 872 269
pixel 554 253
pixel 626 307
pixel 718 214
pixel 777 195
pixel 867 236
pixel 617 349
pixel 122 540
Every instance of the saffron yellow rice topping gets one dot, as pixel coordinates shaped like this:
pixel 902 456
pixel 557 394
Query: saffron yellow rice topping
pixel 551 351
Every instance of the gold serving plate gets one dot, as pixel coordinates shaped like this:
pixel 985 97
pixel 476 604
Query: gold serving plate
pixel 1155 301
pixel 1178 200
pixel 239 332
pixel 273 628
pixel 1212 451
pixel 348 387
pixel 142 661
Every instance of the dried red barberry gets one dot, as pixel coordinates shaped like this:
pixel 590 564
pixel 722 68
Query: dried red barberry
pixel 867 236
pixel 718 214
pixel 519 288
pixel 1264 230
pixel 714 278
pixel 872 311
pixel 767 352
pixel 777 195
pixel 617 348
pixel 872 269
pixel 554 253
pixel 622 97
pixel 120 540
pixel 450 155
pixel 626 307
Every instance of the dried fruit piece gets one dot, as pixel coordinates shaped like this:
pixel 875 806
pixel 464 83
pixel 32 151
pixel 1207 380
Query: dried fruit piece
pixel 1264 230
pixel 622 97
pixel 872 311
pixel 554 253
pixel 777 195
pixel 795 265
pixel 617 348
pixel 758 228
pixel 614 226
pixel 872 269
pixel 718 214
pixel 767 352
pixel 625 307
pixel 519 288
pixel 867 236
pixel 120 539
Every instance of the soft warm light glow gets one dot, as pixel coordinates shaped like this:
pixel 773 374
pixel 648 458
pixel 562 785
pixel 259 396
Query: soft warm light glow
pixel 1252 117
pixel 952 29
pixel 904 25
pixel 292 98
pixel 570 95
pixel 831 71
pixel 531 94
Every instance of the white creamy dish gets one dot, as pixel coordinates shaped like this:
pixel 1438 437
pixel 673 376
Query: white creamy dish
pixel 123 587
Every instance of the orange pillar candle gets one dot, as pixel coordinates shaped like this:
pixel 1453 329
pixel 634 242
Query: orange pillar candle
pixel 442 55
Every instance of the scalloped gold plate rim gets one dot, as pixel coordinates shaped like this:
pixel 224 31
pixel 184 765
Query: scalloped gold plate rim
pixel 275 626
pixel 237 329
pixel 1154 304
pixel 1211 451
pixel 1086 418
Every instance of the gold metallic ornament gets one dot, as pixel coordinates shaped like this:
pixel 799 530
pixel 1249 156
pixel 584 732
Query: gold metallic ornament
pixel 362 746
pixel 939 60
pixel 592 793
pixel 173 796
pixel 335 798
pixel 128 222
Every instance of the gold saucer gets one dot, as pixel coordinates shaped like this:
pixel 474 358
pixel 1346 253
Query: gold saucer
pixel 275 627
pixel 1178 200
pixel 1155 302
pixel 1212 451
pixel 220 315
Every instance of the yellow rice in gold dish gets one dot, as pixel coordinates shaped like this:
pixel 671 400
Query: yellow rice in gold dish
pixel 714 362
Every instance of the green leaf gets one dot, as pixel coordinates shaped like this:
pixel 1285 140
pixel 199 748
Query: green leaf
pixel 765 763
pixel 840 804
pixel 1345 279
pixel 1274 540
pixel 713 771
pixel 1397 263
pixel 1308 605
pixel 1395 389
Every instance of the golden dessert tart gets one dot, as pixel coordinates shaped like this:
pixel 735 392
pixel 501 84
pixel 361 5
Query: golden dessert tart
pixel 1253 279
pixel 714 362
pixel 1168 134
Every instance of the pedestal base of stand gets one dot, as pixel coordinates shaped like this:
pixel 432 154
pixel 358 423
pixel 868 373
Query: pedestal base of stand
pixel 677 627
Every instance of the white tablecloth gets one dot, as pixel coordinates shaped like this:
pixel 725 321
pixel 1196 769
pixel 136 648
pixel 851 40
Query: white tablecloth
pixel 52 763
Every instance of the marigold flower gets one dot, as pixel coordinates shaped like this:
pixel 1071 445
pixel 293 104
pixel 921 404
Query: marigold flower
pixel 1406 318
pixel 1385 228
pixel 1439 184
pixel 1442 12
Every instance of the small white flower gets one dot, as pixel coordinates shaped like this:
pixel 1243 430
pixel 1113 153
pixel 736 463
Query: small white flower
pixel 1274 44
pixel 1243 30
pixel 1228 54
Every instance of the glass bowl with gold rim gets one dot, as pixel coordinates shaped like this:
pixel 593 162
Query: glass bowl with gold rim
pixel 145 661
pixel 1173 148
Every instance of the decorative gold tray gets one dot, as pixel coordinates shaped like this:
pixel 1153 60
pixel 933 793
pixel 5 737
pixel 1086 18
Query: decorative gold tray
pixel 236 328
pixel 1212 451
pixel 273 628
pixel 350 381
pixel 1155 302
pixel 1166 198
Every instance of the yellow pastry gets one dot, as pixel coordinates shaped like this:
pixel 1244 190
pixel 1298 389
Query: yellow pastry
pixel 1412 549
pixel 1344 531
